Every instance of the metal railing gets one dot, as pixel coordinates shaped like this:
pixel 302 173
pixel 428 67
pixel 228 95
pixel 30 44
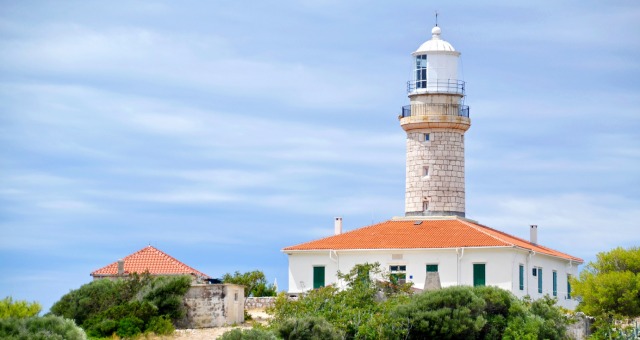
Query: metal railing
pixel 436 86
pixel 435 110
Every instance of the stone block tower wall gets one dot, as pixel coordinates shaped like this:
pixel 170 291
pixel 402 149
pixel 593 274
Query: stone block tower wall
pixel 435 172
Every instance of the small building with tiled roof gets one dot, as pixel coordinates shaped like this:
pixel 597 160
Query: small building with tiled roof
pixel 434 245
pixel 148 259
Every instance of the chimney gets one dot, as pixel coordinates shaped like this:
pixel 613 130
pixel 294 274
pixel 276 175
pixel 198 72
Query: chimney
pixel 120 267
pixel 533 234
pixel 337 225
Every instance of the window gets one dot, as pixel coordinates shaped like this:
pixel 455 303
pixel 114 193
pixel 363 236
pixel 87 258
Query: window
pixel 318 277
pixel 479 274
pixel 421 72
pixel 555 283
pixel 426 137
pixel 432 268
pixel 398 273
pixel 235 297
pixel 425 171
pixel 568 286
pixel 540 280
pixel 425 206
pixel 521 278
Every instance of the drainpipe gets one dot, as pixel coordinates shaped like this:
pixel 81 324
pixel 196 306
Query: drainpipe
pixel 531 254
pixel 460 255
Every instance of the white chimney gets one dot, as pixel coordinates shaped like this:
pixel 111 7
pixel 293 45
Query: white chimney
pixel 120 267
pixel 533 234
pixel 337 226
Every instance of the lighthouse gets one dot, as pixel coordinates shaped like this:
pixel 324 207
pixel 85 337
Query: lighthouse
pixel 435 122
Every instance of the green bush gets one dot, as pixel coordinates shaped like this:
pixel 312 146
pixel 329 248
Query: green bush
pixel 449 313
pixel 308 328
pixel 126 306
pixel 254 282
pixel 248 334
pixel 160 325
pixel 129 326
pixel 498 302
pixel 36 328
pixel 18 309
pixel 368 309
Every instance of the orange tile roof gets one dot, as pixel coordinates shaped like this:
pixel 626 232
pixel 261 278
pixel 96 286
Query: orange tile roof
pixel 149 259
pixel 429 233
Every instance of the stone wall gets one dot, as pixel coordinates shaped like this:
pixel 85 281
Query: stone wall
pixel 435 172
pixel 213 305
pixel 259 302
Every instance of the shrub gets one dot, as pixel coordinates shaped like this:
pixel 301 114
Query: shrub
pixel 161 326
pixel 18 309
pixel 36 328
pixel 449 313
pixel 498 302
pixel 129 326
pixel 126 306
pixel 248 334
pixel 308 328
pixel 254 282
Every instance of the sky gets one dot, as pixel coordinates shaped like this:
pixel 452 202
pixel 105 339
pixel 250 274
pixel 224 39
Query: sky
pixel 222 131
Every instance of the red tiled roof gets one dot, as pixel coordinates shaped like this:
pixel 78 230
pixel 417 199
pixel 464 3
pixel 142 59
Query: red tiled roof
pixel 429 233
pixel 149 259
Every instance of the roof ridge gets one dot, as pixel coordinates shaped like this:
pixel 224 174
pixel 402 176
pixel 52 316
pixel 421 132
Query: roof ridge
pixel 153 251
pixel 532 245
pixel 478 228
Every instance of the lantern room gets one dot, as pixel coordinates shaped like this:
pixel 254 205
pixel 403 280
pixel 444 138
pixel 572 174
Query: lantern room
pixel 435 68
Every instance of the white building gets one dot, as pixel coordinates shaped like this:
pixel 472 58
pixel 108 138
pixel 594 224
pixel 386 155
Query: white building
pixel 434 244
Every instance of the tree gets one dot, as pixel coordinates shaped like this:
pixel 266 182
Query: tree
pixel 18 309
pixel 611 285
pixel 254 282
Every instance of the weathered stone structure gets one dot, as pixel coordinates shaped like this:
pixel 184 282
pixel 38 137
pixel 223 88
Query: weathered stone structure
pixel 213 305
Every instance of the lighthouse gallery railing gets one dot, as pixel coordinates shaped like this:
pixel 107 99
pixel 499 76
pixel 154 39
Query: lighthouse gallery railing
pixel 435 110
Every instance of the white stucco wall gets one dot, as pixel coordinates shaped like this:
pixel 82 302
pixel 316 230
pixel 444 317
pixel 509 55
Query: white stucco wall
pixel 455 266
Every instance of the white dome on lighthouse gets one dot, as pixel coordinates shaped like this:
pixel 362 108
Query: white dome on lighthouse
pixel 435 44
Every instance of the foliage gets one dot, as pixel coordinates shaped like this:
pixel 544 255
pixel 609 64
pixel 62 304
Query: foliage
pixel 497 310
pixel 47 327
pixel 379 309
pixel 360 311
pixel 308 328
pixel 254 282
pixel 450 313
pixel 539 319
pixel 248 334
pixel 611 285
pixel 160 325
pixel 18 309
pixel 126 307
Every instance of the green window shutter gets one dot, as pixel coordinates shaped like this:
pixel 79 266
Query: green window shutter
pixel 555 283
pixel 432 268
pixel 568 287
pixel 539 280
pixel 521 279
pixel 479 274
pixel 318 277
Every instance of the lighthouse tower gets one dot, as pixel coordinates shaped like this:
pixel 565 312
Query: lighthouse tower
pixel 435 122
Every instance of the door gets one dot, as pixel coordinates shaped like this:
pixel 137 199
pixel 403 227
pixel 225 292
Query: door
pixel 318 277
pixel 478 274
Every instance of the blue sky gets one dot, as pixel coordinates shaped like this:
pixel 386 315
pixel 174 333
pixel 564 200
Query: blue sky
pixel 221 132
